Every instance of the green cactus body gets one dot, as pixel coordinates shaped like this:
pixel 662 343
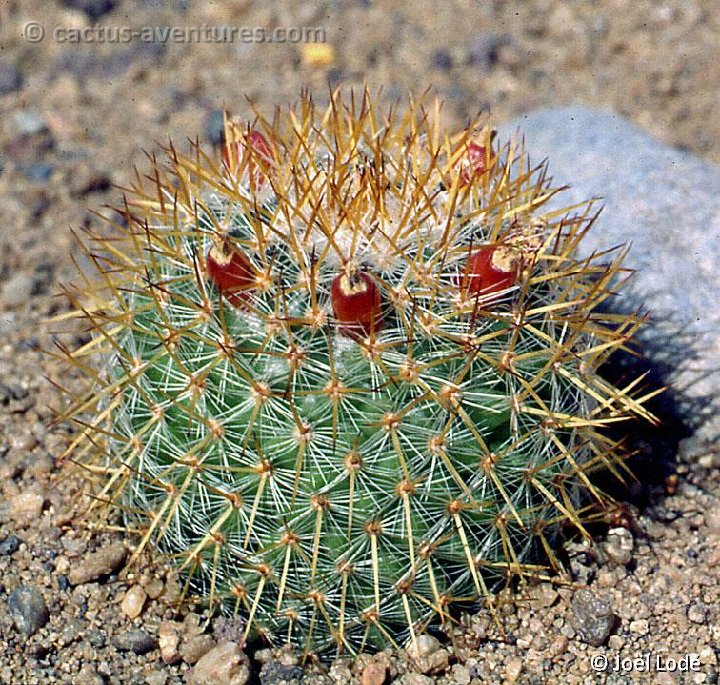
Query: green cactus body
pixel 343 485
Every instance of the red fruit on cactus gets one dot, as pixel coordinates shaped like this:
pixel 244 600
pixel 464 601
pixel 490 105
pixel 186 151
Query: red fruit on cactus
pixel 491 269
pixel 474 161
pixel 231 272
pixel 356 302
pixel 260 159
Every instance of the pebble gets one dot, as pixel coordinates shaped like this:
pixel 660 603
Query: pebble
pixel 592 616
pixel 639 626
pixel 426 655
pixel 154 587
pixel 414 679
pixel 275 673
pixel 17 290
pixel 442 60
pixel 374 674
pixel 193 648
pixel 137 641
pixel 225 664
pixel 697 613
pixel 26 508
pixel 93 8
pixel 86 180
pixel 133 601
pixel 28 609
pixel 460 674
pixel 89 676
pixel 10 77
pixel 98 564
pixel 513 669
pixel 619 546
pixel 169 641
pixel 9 545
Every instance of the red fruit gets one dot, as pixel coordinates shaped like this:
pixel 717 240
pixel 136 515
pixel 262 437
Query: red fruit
pixel 356 303
pixel 475 161
pixel 231 272
pixel 260 159
pixel 491 269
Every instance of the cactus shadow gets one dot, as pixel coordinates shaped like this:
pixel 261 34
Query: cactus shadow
pixel 665 351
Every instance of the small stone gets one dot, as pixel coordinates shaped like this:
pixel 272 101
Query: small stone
pixel 542 596
pixel 133 601
pixel 426 655
pixel 374 673
pixel 137 641
pixel 194 648
pixel 639 626
pixel 89 676
pixel 592 616
pixel 712 518
pixel 88 180
pixel 460 674
pixel 441 59
pixel 275 673
pixel 93 8
pixel 225 664
pixel 340 672
pixel 154 587
pixel 422 646
pixel 697 613
pixel 10 77
pixel 28 609
pixel 616 642
pixel 559 646
pixel 17 290
pixel 415 679
pixel 97 564
pixel 155 678
pixel 513 669
pixel 619 546
pixel 169 641
pixel 27 508
pixel 9 545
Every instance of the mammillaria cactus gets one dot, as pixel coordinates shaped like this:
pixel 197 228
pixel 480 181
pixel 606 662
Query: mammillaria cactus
pixel 345 373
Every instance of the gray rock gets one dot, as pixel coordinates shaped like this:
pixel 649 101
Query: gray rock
pixel 592 616
pixel 10 77
pixel 137 641
pixel 28 609
pixel 275 673
pixel 9 545
pixel 664 204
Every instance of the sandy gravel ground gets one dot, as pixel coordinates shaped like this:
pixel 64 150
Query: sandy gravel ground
pixel 75 118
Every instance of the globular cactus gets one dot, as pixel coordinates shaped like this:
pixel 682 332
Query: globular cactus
pixel 345 373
